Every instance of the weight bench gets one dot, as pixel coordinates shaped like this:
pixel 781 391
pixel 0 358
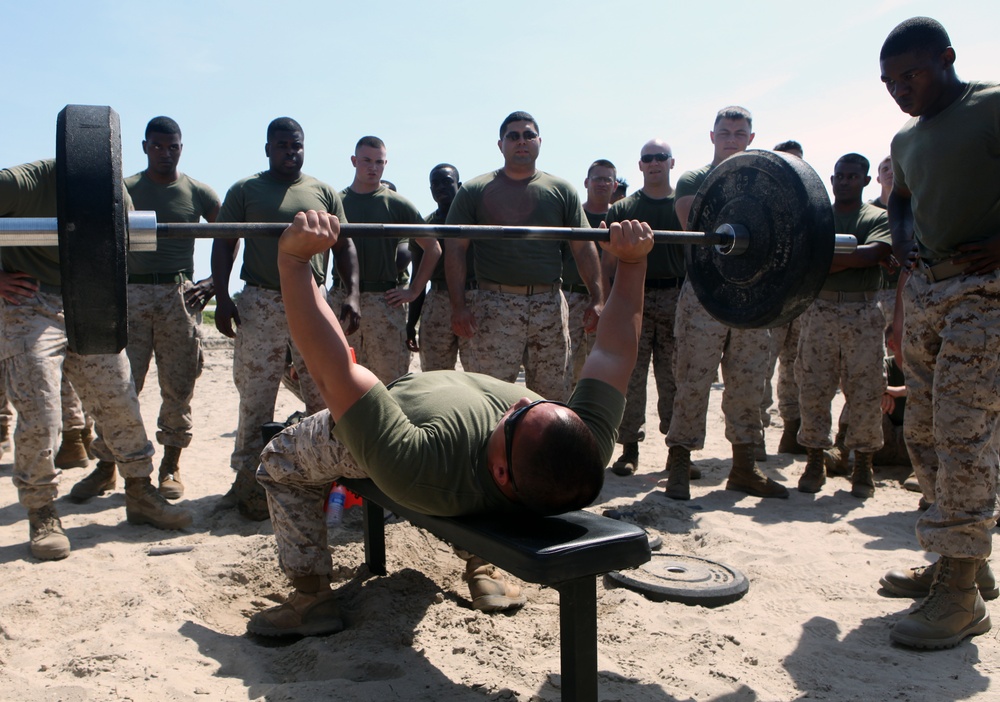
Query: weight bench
pixel 566 552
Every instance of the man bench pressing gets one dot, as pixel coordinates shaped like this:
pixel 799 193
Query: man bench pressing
pixel 444 443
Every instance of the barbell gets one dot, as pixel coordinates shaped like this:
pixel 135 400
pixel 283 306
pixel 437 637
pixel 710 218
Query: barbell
pixel 759 246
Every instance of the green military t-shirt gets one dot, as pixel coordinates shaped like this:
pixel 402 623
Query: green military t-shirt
pixel 869 225
pixel 377 256
pixel 665 260
pixel 951 166
pixel 542 200
pixel 263 198
pixel 184 200
pixel 690 182
pixel 423 441
pixel 29 190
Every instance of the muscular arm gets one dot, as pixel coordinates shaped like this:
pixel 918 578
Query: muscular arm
pixel 904 247
pixel 346 260
pixel 463 323
pixel 425 269
pixel 223 254
pixel 589 266
pixel 865 256
pixel 314 328
pixel 617 342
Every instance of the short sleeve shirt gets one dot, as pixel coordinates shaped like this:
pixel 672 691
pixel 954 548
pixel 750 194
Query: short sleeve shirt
pixel 423 441
pixel 665 260
pixel 869 225
pixel 377 255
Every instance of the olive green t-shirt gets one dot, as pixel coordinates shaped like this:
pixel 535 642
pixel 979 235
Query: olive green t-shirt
pixel 29 190
pixel 542 200
pixel 951 166
pixel 263 198
pixel 184 200
pixel 691 180
pixel 377 255
pixel 438 276
pixel 869 225
pixel 665 260
pixel 423 441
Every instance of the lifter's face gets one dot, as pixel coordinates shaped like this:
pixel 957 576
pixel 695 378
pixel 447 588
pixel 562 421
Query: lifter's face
pixel 529 425
pixel 730 136
pixel 918 80
pixel 285 153
pixel 163 153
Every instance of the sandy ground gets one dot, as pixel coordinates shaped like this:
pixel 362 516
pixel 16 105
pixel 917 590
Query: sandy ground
pixel 112 622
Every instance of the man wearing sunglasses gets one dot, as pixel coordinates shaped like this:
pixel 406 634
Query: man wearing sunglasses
pixel 444 443
pixel 653 203
pixel 519 315
pixel 703 343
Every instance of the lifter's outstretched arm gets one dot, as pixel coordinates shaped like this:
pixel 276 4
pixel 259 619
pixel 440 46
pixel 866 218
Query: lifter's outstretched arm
pixel 617 342
pixel 313 325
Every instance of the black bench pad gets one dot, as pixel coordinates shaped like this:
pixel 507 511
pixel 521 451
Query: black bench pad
pixel 543 550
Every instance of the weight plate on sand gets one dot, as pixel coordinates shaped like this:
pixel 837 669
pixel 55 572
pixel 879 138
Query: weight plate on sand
pixel 685 579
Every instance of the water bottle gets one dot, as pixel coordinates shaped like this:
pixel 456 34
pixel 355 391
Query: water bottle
pixel 335 505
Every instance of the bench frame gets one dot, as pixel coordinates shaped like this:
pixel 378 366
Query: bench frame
pixel 567 552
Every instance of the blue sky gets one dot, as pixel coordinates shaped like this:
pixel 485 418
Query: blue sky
pixel 434 80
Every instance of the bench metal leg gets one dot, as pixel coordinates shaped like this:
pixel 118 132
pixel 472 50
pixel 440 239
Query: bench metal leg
pixel 375 537
pixel 578 639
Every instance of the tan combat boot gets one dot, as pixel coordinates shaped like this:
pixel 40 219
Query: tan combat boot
pixel 311 610
pixel 72 451
pixel 746 477
pixel 836 458
pixel 488 589
pixel 171 486
pixel 628 462
pixel 916 582
pixel 101 480
pixel 862 479
pixel 789 442
pixel 47 539
pixel 814 476
pixel 144 505
pixel 679 473
pixel 952 611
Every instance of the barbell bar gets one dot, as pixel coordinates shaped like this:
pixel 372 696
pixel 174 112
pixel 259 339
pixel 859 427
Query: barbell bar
pixel 759 245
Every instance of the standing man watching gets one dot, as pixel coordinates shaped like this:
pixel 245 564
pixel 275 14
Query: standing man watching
pixel 653 203
pixel 519 316
pixel 841 337
pixel 944 214
pixel 439 345
pixel 164 306
pixel 35 352
pixel 381 339
pixel 262 337
pixel 601 180
pixel 702 342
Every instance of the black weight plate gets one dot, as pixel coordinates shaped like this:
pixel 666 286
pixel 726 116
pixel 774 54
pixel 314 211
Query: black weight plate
pixel 685 579
pixel 93 231
pixel 784 205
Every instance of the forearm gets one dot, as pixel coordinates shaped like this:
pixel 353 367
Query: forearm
pixel 346 261
pixel 589 266
pixel 223 254
pixel 455 271
pixel 428 262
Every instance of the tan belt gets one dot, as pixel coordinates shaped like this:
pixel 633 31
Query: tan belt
pixel 941 271
pixel 518 289
pixel 837 296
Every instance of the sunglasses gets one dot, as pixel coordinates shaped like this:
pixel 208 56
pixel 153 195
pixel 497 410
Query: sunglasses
pixel 516 136
pixel 510 424
pixel 649 158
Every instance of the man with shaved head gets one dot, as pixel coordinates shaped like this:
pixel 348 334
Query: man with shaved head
pixel 653 203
